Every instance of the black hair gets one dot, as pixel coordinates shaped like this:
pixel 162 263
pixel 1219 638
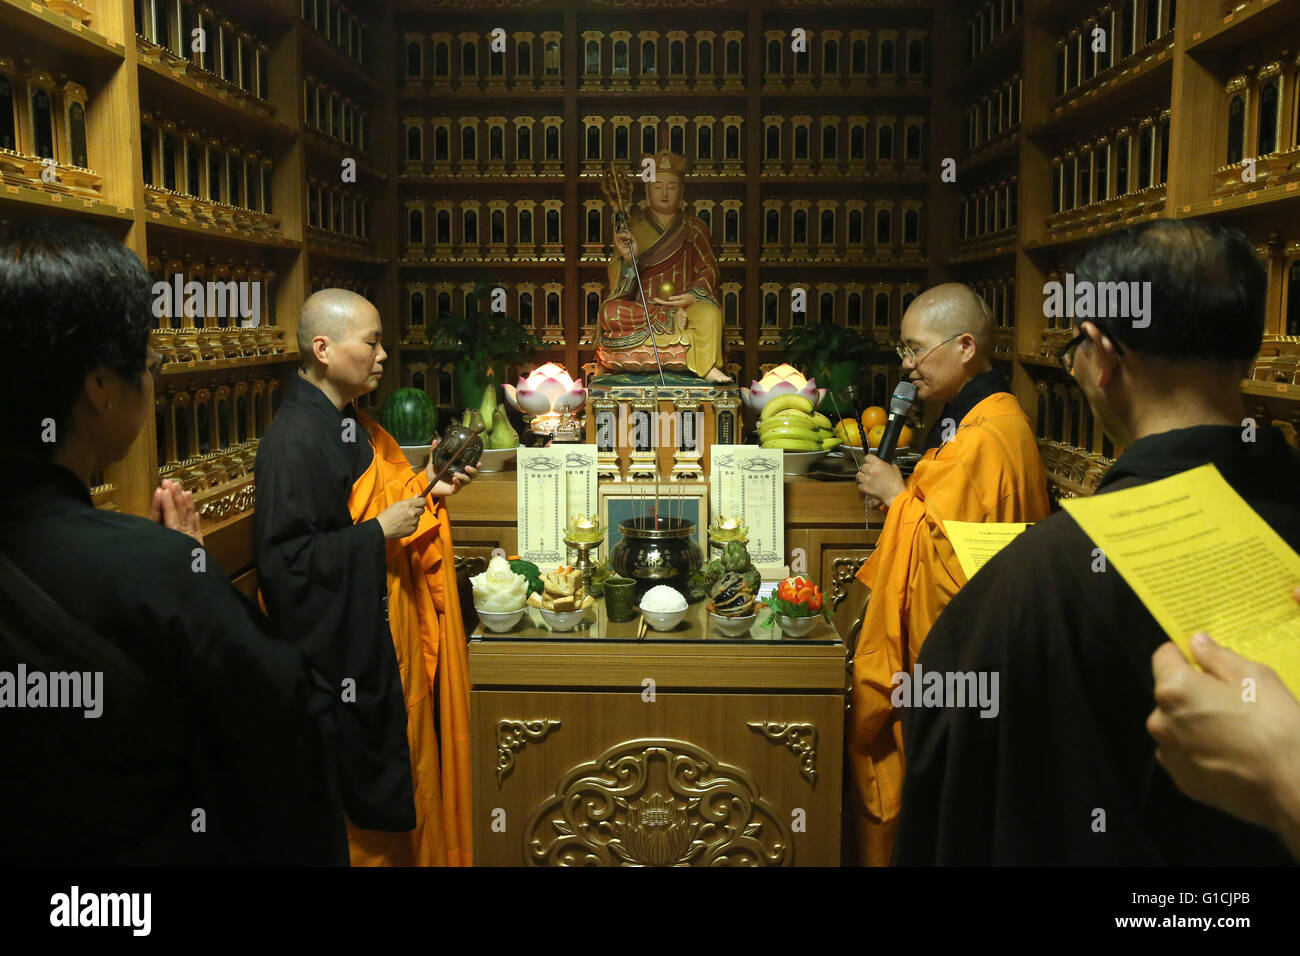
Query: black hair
pixel 1208 289
pixel 72 299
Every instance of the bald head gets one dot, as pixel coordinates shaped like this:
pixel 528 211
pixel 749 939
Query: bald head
pixel 333 313
pixel 951 309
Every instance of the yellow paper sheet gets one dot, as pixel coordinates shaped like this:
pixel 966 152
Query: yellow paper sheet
pixel 974 542
pixel 1201 559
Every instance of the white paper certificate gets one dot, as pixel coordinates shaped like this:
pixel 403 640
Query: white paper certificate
pixel 554 483
pixel 749 481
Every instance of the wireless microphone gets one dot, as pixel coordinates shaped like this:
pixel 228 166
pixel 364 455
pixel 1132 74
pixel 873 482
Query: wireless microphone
pixel 900 405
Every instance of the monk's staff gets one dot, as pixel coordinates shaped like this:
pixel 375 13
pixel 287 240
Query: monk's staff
pixel 650 329
pixel 830 393
pixel 617 194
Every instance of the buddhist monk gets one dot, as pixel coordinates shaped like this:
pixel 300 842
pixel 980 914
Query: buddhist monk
pixel 1067 775
pixel 981 463
pixel 356 567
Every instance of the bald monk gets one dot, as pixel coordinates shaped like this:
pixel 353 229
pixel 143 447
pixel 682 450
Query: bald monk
pixel 356 568
pixel 981 463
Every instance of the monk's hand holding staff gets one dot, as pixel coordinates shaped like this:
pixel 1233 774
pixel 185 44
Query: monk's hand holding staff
pixel 625 244
pixel 879 482
pixel 173 507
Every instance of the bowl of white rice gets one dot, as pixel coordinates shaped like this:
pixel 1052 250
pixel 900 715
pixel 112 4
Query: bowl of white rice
pixel 663 607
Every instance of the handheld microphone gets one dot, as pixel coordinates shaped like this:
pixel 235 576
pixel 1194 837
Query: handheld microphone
pixel 900 405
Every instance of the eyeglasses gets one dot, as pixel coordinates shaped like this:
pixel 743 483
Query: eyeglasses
pixel 910 355
pixel 1065 354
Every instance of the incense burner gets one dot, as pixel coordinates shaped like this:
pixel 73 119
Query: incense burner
pixel 458 446
pixel 656 550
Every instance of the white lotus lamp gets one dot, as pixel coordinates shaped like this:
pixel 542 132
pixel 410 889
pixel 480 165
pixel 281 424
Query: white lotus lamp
pixel 783 380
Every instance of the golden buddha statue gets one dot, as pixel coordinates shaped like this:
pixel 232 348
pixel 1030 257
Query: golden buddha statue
pixel 671 251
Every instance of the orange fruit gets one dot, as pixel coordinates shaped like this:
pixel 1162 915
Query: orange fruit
pixel 873 416
pixel 847 431
pixel 876 434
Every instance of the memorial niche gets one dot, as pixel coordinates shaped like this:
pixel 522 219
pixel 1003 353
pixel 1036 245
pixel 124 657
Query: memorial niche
pixel 42 123
pixel 8 128
pixel 1269 106
pixel 1293 299
pixel 77 135
pixel 1236 128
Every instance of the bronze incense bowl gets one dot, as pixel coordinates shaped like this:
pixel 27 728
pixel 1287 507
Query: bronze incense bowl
pixel 657 550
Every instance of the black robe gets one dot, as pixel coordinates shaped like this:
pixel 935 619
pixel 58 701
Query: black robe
pixel 1072 648
pixel 324 581
pixel 204 707
pixel 972 393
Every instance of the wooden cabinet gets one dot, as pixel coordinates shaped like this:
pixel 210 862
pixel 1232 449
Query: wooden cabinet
pixel 675 753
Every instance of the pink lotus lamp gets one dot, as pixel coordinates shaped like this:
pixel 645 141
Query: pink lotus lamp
pixel 548 394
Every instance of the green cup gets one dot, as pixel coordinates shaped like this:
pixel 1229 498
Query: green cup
pixel 620 602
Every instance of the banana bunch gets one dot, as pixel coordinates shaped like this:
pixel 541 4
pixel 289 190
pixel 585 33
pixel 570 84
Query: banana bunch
pixel 789 422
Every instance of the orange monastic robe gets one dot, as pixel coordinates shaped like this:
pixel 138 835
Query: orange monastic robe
pixel 429 638
pixel 989 471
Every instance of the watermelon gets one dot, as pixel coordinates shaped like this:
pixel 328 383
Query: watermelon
pixel 409 416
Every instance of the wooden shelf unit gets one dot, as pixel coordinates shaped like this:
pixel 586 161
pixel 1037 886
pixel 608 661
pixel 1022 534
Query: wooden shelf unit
pixel 580 94
pixel 104 59
pixel 1210 43
pixel 47 29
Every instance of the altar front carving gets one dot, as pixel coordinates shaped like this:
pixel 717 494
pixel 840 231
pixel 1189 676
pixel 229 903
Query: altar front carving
pixel 657 802
pixel 719 767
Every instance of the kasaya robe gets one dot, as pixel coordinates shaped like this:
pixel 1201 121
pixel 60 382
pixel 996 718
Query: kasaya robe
pixel 202 706
pixel 429 637
pixel 329 584
pixel 988 470
pixel 681 253
pixel 1066 774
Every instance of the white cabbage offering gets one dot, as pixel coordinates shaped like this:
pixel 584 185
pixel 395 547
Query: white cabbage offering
pixel 498 589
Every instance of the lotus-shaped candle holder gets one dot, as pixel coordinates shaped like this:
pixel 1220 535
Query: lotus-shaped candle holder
pixel 782 380
pixel 728 529
pixel 585 529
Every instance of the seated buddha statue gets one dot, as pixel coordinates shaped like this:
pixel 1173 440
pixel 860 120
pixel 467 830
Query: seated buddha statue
pixel 678 278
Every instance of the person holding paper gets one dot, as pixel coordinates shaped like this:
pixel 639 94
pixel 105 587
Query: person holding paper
pixel 356 567
pixel 1066 774
pixel 981 464
pixel 1234 754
